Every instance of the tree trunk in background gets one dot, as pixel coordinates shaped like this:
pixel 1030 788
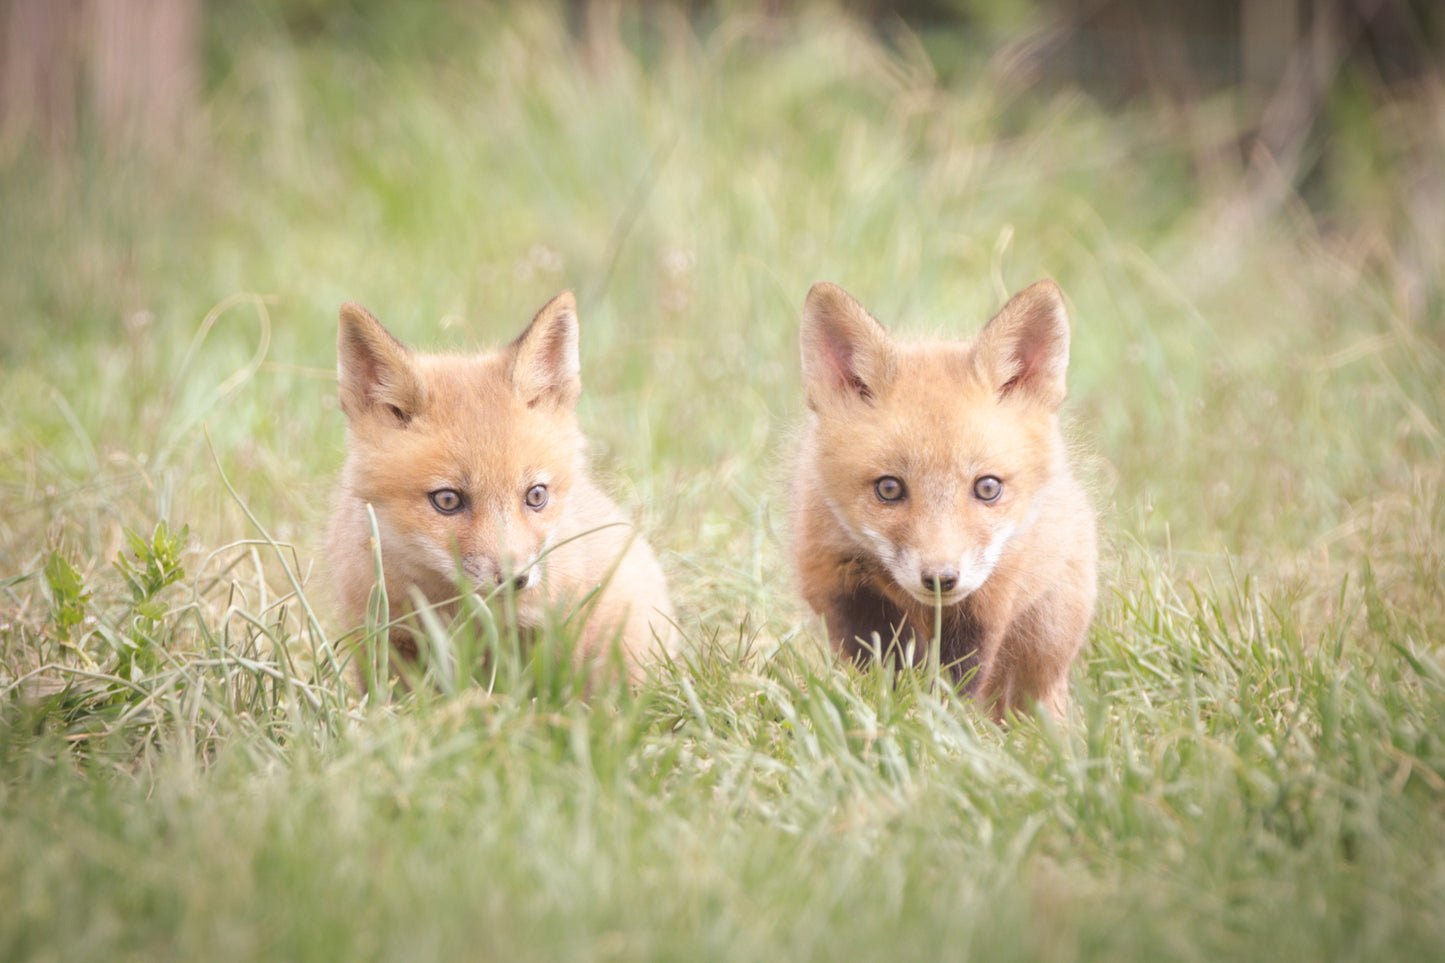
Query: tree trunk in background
pixel 131 66
pixel 39 77
pixel 145 70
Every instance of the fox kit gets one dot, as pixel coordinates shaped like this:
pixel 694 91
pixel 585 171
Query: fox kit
pixel 474 466
pixel 936 473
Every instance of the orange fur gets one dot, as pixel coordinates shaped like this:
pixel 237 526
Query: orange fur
pixel 1015 573
pixel 494 430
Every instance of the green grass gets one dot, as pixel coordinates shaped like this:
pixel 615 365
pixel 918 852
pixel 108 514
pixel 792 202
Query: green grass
pixel 1255 767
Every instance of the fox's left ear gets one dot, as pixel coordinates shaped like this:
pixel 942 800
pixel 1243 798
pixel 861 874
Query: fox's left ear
pixel 545 366
pixel 1025 348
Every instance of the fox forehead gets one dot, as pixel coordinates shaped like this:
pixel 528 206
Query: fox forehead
pixel 474 433
pixel 938 419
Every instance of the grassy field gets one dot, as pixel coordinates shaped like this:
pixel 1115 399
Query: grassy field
pixel 1255 767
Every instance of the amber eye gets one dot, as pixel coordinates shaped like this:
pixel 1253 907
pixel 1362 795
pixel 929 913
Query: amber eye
pixel 448 501
pixel 987 488
pixel 889 489
pixel 536 497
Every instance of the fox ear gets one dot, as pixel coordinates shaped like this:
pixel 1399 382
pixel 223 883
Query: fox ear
pixel 376 371
pixel 844 348
pixel 545 366
pixel 1025 348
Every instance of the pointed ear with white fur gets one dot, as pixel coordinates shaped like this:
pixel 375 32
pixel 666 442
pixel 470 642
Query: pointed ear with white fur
pixel 846 352
pixel 376 372
pixel 545 364
pixel 1024 350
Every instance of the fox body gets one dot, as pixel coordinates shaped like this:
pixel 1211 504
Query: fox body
pixel 934 482
pixel 474 467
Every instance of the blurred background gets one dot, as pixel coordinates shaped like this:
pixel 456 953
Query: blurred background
pixel 133 73
pixel 1244 201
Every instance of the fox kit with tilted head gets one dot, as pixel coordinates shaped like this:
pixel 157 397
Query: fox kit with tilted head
pixel 474 467
pixel 934 481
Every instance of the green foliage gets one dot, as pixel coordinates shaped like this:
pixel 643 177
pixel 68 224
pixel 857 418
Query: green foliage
pixel 153 566
pixel 68 597
pixel 1254 767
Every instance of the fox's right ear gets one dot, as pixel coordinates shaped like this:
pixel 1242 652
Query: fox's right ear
pixel 845 350
pixel 377 373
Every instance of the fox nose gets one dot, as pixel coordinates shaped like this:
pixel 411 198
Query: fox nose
pixel 519 582
pixel 940 579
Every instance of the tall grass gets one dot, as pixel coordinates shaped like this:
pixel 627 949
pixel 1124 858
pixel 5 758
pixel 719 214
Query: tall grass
pixel 1254 767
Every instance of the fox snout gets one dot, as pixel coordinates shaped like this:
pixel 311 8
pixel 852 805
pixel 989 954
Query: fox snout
pixel 927 580
pixel 942 578
pixel 949 569
pixel 488 573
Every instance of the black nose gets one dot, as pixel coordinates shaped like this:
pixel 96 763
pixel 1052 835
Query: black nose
pixel 518 582
pixel 940 580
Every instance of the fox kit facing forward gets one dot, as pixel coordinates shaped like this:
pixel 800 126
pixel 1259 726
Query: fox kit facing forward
pixel 474 467
pixel 935 474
